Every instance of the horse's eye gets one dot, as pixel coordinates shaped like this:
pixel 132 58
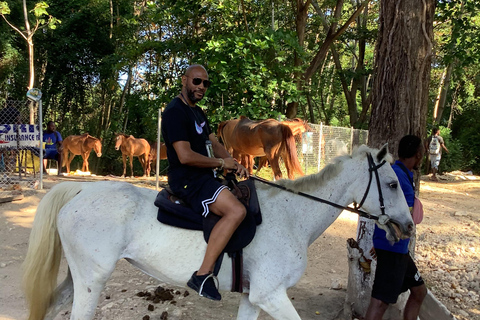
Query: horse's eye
pixel 393 185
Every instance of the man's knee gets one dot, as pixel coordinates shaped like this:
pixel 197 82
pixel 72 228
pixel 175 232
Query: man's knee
pixel 418 293
pixel 239 212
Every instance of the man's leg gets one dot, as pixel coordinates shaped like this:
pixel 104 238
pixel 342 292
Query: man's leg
pixel 376 309
pixel 232 213
pixel 414 302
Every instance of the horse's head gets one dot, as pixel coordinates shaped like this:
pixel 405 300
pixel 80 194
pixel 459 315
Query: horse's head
pixel 98 147
pixel 379 193
pixel 119 137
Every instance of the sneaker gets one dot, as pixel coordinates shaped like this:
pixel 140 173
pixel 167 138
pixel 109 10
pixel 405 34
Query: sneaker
pixel 205 286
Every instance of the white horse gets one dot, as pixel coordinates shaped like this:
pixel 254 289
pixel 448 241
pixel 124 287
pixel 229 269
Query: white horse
pixel 101 222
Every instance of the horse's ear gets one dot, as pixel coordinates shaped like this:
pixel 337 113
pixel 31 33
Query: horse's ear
pixel 382 153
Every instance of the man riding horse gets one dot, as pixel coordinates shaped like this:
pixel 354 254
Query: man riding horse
pixel 193 154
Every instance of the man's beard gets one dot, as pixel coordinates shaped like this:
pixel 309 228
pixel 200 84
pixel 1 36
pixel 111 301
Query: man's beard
pixel 191 96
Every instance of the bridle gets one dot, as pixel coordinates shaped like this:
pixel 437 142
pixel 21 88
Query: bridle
pixel 372 168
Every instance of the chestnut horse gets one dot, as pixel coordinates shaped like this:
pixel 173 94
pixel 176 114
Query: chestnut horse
pixel 153 152
pixel 133 147
pixel 298 127
pixel 80 145
pixel 246 139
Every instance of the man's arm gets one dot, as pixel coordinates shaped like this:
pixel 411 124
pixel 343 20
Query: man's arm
pixel 445 148
pixel 189 157
pixel 230 163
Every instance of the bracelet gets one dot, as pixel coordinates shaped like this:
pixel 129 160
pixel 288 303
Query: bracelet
pixel 222 164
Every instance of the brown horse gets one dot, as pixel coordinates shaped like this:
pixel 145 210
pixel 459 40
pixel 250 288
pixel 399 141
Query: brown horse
pixel 80 145
pixel 133 147
pixel 298 127
pixel 153 152
pixel 268 138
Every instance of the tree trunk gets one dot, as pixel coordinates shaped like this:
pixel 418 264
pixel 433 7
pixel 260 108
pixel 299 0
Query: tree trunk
pixel 400 90
pixel 29 38
pixel 402 71
pixel 442 94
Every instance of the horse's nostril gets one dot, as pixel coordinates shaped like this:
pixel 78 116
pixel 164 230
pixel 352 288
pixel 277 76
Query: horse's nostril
pixel 410 227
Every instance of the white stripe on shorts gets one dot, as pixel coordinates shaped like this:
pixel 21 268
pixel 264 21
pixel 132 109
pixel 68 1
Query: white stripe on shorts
pixel 206 202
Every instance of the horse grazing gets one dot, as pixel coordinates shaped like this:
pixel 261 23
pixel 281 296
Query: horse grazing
pixel 269 138
pixel 298 126
pixel 80 145
pixel 153 152
pixel 133 147
pixel 98 223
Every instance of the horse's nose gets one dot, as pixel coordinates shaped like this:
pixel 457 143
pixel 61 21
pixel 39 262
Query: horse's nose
pixel 100 154
pixel 410 228
pixel 116 148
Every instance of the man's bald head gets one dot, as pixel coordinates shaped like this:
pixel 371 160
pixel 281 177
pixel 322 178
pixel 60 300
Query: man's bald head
pixel 194 67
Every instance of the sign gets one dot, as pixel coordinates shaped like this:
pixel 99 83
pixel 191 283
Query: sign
pixel 307 145
pixel 19 135
pixel 34 94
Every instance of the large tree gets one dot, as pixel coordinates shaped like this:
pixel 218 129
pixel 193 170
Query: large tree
pixel 400 100
pixel 402 71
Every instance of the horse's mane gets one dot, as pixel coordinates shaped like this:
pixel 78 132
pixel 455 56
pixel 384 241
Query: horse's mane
pixel 307 183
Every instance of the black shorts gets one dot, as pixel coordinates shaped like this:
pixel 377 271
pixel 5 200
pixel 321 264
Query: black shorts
pixel 395 273
pixel 200 192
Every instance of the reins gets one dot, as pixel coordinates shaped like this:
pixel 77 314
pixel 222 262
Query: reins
pixel 383 219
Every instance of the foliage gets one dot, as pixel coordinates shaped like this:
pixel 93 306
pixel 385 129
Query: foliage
pixel 453 160
pixel 109 66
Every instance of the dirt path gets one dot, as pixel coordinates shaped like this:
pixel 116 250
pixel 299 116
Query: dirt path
pixel 448 252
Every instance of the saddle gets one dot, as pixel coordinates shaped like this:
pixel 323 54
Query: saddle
pixel 175 212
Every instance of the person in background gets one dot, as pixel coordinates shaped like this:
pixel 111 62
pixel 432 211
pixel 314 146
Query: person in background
pixel 53 146
pixel 396 271
pixel 434 147
pixel 193 154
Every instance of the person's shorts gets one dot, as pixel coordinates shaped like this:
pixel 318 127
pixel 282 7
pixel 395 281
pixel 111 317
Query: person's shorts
pixel 435 160
pixel 395 273
pixel 51 154
pixel 200 192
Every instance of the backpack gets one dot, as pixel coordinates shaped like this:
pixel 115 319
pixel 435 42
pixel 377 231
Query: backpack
pixel 434 146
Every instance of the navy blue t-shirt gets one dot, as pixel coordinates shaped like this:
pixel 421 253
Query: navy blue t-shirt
pixel 181 122
pixel 380 236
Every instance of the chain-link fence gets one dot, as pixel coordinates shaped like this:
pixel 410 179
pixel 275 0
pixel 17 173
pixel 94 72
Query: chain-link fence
pixel 320 144
pixel 19 143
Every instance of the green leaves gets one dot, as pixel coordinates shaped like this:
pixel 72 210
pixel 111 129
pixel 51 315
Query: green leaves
pixel 4 9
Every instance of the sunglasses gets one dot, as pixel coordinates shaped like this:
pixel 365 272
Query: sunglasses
pixel 197 81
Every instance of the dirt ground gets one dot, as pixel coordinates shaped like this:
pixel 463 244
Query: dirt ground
pixel 448 252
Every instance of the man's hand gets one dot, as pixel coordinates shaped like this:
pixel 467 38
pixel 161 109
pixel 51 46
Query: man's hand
pixel 232 164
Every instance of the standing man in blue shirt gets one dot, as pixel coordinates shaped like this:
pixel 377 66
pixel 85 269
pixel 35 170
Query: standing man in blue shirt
pixel 396 271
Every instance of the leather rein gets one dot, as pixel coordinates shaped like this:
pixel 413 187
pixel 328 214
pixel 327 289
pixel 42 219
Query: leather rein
pixel 372 168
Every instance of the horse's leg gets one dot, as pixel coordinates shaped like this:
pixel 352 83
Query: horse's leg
pixel 62 296
pixel 277 304
pixel 246 310
pixel 124 157
pixel 85 167
pixel 131 165
pixel 90 274
pixel 69 161
pixel 273 159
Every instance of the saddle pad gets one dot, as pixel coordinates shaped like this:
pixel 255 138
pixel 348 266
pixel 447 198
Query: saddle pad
pixel 182 216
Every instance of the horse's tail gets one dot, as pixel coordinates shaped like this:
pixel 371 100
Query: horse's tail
pixel 291 161
pixel 40 268
pixel 221 125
